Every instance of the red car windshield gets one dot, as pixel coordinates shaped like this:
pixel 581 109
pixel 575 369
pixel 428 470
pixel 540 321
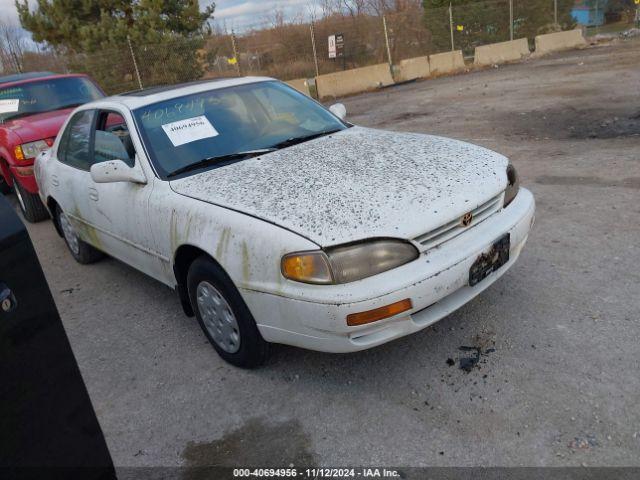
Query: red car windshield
pixel 45 96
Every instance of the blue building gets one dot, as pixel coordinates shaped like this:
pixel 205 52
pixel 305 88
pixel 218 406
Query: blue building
pixel 589 13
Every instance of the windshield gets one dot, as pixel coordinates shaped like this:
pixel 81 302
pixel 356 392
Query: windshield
pixel 45 96
pixel 228 122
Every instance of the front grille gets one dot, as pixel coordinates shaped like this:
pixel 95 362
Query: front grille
pixel 454 228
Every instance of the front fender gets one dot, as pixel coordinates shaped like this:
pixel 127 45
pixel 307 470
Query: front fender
pixel 247 248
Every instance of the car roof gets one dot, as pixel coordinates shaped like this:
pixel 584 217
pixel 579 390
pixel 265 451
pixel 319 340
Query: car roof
pixel 24 76
pixel 140 98
pixel 34 77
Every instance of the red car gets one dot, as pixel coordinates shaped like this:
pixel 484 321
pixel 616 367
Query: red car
pixel 33 107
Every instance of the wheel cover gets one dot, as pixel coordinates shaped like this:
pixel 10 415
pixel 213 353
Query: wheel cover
pixel 218 318
pixel 69 234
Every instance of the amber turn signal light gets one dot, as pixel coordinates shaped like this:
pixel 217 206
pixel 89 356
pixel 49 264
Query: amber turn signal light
pixel 308 267
pixel 376 314
pixel 17 152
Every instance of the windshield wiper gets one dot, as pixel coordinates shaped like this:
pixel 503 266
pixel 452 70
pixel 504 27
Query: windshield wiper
pixel 296 140
pixel 64 107
pixel 205 162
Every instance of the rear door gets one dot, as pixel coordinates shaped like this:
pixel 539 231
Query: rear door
pixel 69 178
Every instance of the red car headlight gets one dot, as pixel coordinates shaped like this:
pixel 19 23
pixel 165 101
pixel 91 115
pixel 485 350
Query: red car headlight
pixel 28 151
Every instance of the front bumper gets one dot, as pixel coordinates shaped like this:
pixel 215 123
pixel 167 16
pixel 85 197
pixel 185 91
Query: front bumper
pixel 28 182
pixel 439 284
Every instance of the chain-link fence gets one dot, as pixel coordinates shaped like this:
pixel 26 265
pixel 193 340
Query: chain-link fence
pixel 301 50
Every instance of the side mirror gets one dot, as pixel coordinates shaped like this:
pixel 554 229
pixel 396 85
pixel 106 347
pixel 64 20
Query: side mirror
pixel 116 171
pixel 339 110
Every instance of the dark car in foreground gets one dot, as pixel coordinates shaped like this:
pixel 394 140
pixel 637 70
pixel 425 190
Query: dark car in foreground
pixel 48 428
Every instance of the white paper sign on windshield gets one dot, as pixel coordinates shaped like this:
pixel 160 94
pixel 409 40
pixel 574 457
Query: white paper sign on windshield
pixel 9 105
pixel 189 130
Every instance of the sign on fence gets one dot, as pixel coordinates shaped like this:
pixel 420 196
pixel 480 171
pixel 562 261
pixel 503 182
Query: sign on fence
pixel 336 45
pixel 332 46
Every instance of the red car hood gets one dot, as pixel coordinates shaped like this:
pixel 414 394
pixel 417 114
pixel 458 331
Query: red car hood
pixel 38 126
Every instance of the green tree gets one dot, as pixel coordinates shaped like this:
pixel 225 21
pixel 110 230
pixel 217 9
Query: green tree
pixel 165 35
pixel 482 22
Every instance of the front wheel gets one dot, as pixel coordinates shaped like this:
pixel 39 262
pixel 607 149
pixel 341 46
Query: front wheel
pixel 223 316
pixel 32 207
pixel 81 251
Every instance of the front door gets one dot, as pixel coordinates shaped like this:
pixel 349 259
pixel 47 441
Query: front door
pixel 119 211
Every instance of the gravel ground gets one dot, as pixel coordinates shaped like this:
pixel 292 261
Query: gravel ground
pixel 558 381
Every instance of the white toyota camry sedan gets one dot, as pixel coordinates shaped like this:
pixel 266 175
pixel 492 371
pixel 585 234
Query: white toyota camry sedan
pixel 278 221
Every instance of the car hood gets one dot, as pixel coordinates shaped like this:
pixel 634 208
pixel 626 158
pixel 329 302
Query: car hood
pixel 356 184
pixel 38 126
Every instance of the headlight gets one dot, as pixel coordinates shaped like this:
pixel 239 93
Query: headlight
pixel 30 150
pixel 513 185
pixel 347 263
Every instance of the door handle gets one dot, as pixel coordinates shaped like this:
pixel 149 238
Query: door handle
pixel 93 194
pixel 54 180
pixel 8 302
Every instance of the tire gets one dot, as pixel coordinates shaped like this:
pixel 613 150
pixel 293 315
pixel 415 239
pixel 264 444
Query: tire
pixel 81 251
pixel 223 316
pixel 30 204
pixel 4 186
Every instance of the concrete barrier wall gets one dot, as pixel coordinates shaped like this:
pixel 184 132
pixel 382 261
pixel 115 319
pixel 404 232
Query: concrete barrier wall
pixel 369 78
pixel 299 84
pixel 354 81
pixel 448 62
pixel 413 68
pixel 554 42
pixel 502 52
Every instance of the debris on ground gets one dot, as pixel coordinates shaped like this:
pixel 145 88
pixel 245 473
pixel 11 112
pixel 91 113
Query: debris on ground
pixel 583 443
pixel 451 362
pixel 632 32
pixel 469 363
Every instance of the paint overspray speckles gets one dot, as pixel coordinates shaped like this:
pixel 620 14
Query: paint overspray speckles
pixel 359 183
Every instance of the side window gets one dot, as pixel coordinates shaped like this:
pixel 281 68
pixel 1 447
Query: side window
pixel 112 140
pixel 74 145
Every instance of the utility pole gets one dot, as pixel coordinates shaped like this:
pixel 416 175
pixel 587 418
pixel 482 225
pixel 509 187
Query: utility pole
pixel 511 20
pixel 555 12
pixel 135 63
pixel 386 38
pixel 235 52
pixel 315 53
pixel 451 25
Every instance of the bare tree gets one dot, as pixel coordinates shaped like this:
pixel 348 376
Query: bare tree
pixel 354 7
pixel 13 45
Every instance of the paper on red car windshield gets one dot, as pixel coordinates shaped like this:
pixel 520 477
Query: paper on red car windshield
pixel 189 130
pixel 9 105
